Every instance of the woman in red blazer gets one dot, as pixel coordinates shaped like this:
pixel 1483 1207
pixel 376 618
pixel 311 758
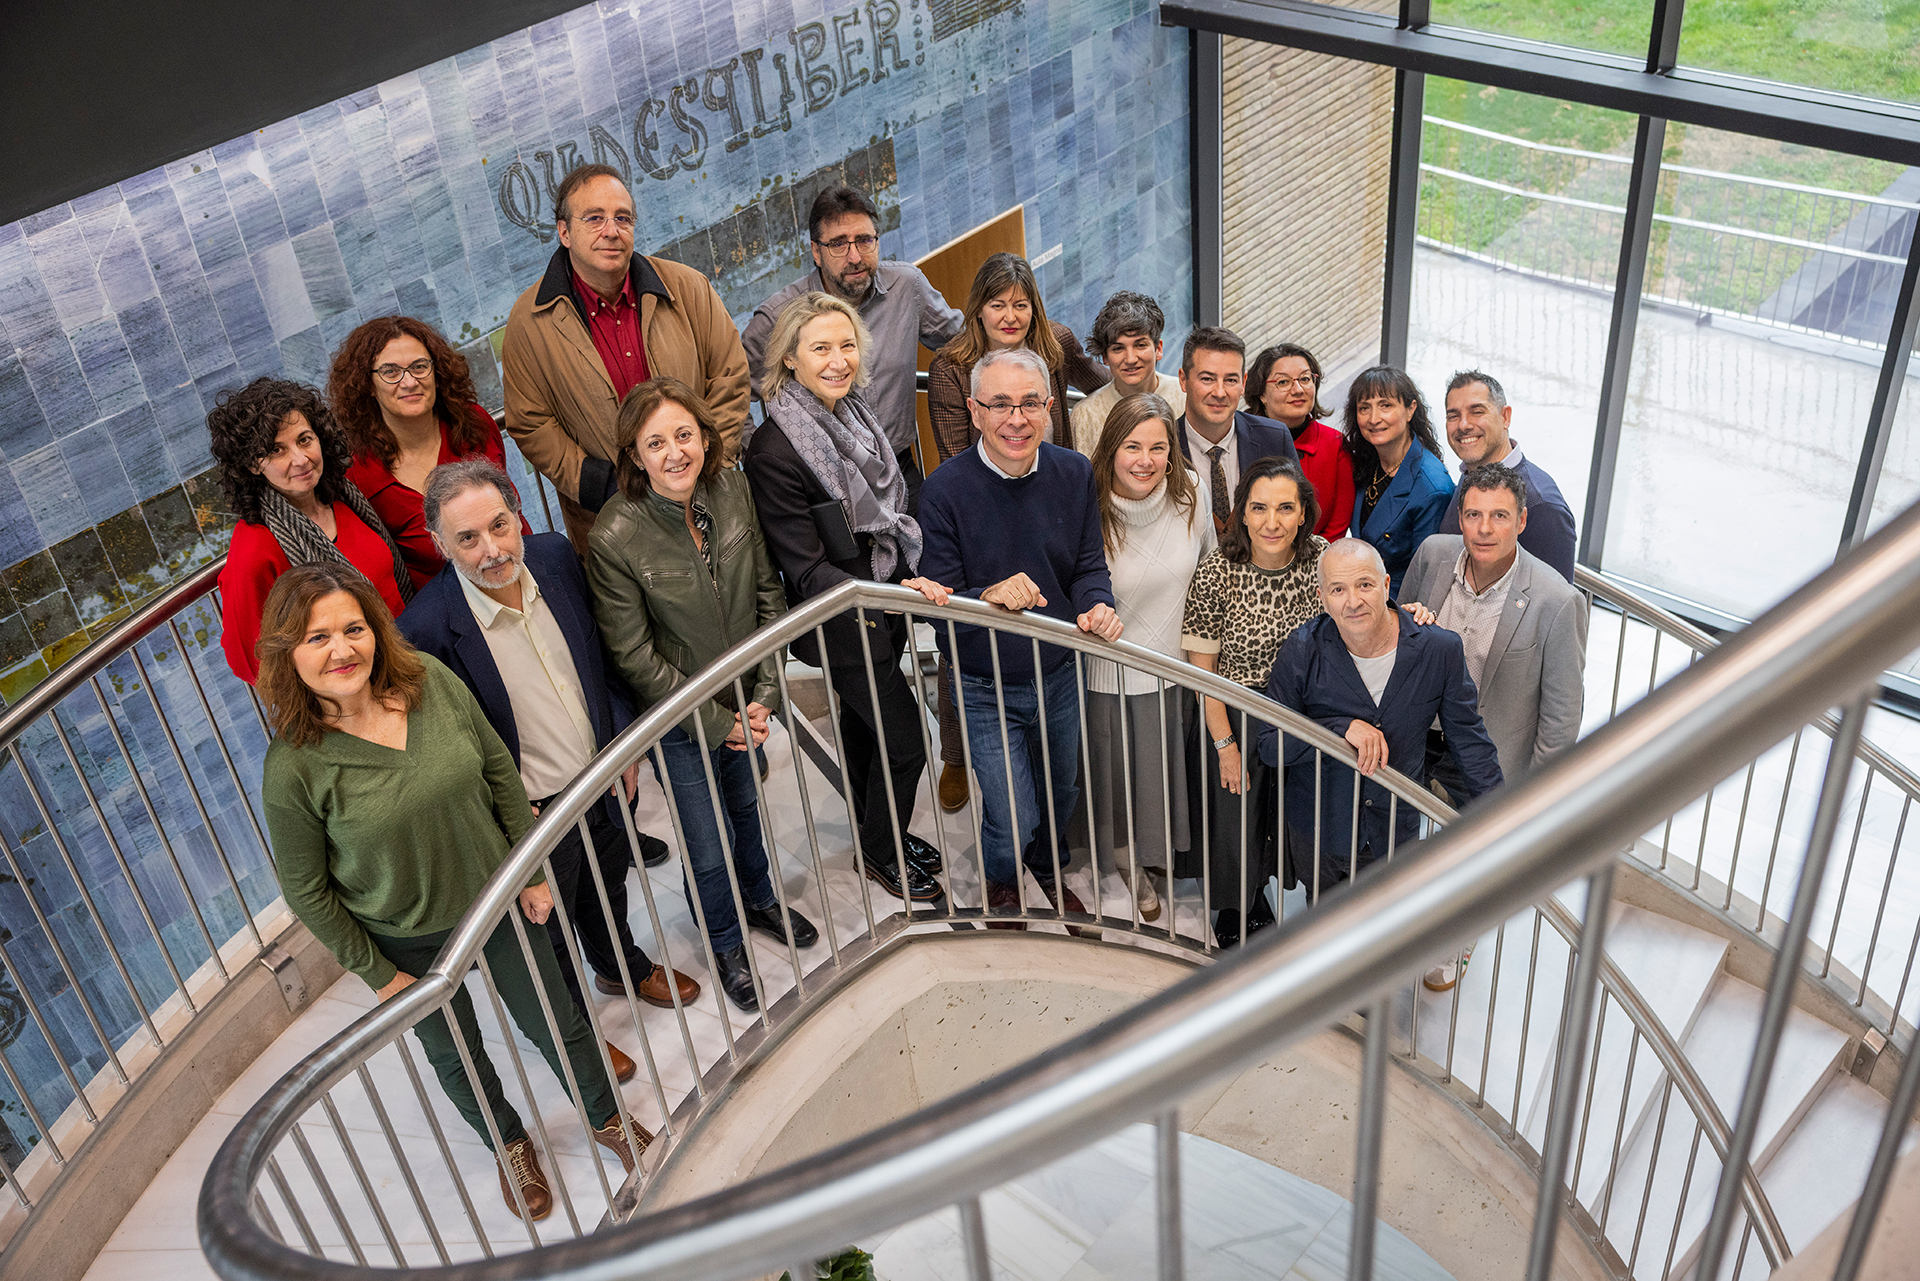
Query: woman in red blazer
pixel 405 399
pixel 1284 385
pixel 283 463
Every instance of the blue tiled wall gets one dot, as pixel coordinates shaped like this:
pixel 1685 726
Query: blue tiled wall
pixel 124 312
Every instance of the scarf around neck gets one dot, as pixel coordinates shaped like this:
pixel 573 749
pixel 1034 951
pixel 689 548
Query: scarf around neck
pixel 306 544
pixel 875 495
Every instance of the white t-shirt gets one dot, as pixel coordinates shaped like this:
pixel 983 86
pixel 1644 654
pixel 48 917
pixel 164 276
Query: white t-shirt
pixel 1375 672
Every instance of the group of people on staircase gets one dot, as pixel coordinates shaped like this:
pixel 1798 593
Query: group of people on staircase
pixel 436 674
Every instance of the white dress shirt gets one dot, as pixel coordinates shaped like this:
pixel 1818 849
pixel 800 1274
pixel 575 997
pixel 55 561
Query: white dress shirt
pixel 1229 462
pixel 543 686
pixel 1474 615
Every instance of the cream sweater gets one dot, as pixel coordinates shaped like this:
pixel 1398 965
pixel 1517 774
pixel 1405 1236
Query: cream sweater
pixel 1150 572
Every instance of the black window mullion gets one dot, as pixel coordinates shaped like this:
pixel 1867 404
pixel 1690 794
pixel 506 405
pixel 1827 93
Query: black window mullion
pixel 1886 401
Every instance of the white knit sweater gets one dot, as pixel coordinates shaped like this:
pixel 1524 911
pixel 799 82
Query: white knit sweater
pixel 1150 572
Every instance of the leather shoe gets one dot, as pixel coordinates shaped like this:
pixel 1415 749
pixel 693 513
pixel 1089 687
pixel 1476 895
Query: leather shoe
pixel 653 988
pixel 622 1065
pixel 920 883
pixel 1003 899
pixel 626 1146
pixel 523 1159
pixel 767 921
pixel 954 789
pixel 1073 904
pixel 736 977
pixel 653 851
pixel 922 855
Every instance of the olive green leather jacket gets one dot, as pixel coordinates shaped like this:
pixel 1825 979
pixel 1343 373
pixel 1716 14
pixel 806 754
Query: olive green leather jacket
pixel 664 616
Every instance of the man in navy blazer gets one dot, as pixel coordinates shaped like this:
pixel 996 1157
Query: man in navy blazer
pixel 1219 439
pixel 511 618
pixel 1372 675
pixel 1478 417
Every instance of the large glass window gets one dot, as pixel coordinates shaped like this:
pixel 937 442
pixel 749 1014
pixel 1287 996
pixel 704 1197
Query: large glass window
pixel 1606 26
pixel 1521 206
pixel 1753 368
pixel 1861 47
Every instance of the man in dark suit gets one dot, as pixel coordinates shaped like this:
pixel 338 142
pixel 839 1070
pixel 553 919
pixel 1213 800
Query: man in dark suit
pixel 1478 418
pixel 1218 438
pixel 511 618
pixel 1372 675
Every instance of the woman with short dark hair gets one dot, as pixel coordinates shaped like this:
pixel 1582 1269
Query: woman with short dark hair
pixel 680 573
pixel 283 462
pixel 406 401
pixel 1245 600
pixel 390 802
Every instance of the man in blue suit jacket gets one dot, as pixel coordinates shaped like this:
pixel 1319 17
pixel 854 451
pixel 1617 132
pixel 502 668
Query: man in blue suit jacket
pixel 1219 439
pixel 511 618
pixel 1372 675
pixel 1478 417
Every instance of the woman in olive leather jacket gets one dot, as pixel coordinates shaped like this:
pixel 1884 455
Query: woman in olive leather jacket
pixel 679 574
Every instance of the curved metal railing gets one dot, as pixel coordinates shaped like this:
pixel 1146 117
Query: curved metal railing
pixel 1570 820
pixel 138 880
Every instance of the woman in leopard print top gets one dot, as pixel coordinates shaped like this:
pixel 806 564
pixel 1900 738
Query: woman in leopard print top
pixel 1245 599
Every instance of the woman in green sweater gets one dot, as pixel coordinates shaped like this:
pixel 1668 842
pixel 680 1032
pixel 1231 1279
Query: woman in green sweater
pixel 390 801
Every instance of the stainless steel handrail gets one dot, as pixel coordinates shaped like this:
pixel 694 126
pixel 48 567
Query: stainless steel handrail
pixel 1816 649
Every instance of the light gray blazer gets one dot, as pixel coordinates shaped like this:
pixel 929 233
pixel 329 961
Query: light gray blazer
pixel 1534 686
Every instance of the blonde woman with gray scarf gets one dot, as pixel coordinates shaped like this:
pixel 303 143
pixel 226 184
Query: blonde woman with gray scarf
pixel 832 503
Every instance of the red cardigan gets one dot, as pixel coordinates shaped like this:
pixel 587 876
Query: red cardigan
pixel 403 509
pixel 254 561
pixel 1325 459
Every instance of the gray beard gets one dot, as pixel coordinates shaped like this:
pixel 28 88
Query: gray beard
pixel 474 575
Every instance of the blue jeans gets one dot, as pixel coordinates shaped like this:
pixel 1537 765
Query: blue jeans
pixel 998 838
pixel 733 774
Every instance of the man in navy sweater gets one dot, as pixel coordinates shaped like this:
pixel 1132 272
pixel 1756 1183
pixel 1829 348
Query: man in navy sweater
pixel 1478 418
pixel 1372 675
pixel 1016 522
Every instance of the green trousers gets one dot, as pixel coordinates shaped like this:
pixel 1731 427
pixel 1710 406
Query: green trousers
pixel 517 992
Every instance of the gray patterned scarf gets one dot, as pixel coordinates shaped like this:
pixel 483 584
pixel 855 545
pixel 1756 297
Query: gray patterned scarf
pixel 852 459
pixel 306 544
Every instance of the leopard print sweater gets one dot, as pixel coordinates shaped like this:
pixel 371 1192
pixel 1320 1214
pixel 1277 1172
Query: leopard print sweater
pixel 1243 612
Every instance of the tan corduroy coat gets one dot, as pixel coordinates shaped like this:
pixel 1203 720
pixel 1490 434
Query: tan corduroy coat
pixel 561 407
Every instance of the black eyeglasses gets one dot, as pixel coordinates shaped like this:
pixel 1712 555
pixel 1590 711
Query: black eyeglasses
pixel 840 246
pixel 420 369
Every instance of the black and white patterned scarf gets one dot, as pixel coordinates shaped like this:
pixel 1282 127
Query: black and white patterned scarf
pixel 305 543
pixel 829 443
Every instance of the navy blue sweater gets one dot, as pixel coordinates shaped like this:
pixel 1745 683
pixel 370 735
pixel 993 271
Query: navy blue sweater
pixel 982 529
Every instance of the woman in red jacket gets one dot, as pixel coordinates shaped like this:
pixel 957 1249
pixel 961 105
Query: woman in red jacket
pixel 1284 384
pixel 283 463
pixel 406 402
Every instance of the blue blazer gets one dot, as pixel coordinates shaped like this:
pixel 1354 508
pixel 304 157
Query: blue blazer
pixel 1411 508
pixel 1254 438
pixel 441 623
pixel 1315 676
pixel 1549 532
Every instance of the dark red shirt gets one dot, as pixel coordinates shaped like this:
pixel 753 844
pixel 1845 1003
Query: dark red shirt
pixel 615 328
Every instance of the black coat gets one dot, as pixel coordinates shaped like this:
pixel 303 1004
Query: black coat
pixel 784 488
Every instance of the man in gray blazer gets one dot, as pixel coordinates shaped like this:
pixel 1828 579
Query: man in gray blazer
pixel 1523 625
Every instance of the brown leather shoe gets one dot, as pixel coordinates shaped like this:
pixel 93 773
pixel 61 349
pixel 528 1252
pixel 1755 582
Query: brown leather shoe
pixel 622 1065
pixel 653 988
pixel 1003 899
pixel 524 1160
pixel 953 787
pixel 613 1139
pixel 1073 904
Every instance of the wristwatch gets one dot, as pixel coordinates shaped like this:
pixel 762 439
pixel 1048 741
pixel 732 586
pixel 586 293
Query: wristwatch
pixel 1222 744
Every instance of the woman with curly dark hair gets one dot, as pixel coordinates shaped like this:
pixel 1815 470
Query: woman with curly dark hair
pixel 406 401
pixel 1401 487
pixel 283 463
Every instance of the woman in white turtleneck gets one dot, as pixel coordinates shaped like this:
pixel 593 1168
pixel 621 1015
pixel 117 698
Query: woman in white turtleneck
pixel 1156 531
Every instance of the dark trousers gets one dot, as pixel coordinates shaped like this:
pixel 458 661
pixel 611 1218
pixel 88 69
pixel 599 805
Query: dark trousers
pixel 573 887
pixel 862 721
pixel 910 470
pixel 517 992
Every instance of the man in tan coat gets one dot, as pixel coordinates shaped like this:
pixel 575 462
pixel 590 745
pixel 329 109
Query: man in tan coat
pixel 600 322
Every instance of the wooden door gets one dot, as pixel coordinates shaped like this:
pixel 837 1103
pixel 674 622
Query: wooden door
pixel 951 269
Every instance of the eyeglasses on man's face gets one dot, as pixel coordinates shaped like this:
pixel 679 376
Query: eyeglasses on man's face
pixel 622 222
pixel 420 369
pixel 1000 409
pixel 841 246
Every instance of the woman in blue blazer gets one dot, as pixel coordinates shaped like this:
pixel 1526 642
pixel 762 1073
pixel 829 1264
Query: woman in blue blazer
pixel 1401 488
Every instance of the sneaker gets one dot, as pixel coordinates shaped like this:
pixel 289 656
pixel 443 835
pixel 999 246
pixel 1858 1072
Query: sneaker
pixel 1442 978
pixel 523 1160
pixel 1145 897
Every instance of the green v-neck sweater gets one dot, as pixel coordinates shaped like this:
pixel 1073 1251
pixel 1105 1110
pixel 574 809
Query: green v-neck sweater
pixel 399 843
